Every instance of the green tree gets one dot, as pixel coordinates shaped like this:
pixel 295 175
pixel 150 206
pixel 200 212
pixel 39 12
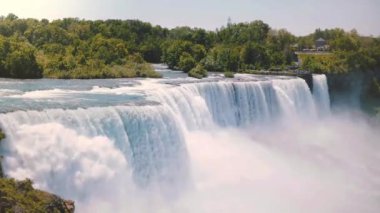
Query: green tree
pixel 174 50
pixel 198 72
pixel 18 60
pixel 108 50
pixel 22 64
pixel 223 58
pixel 186 62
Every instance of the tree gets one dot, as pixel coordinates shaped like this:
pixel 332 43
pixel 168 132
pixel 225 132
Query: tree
pixel 223 58
pixel 108 50
pixel 198 52
pixel 11 17
pixel 345 43
pixel 241 33
pixel 186 62
pixel 151 51
pixel 198 72
pixel 19 60
pixel 174 50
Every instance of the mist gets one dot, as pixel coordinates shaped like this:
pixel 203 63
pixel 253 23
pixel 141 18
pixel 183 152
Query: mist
pixel 329 165
pixel 203 147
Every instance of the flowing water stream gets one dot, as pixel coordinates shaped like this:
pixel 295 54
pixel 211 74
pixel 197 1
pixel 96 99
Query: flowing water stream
pixel 249 144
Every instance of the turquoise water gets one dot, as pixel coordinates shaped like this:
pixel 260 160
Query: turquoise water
pixel 178 144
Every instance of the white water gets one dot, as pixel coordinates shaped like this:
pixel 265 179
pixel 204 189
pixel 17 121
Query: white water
pixel 321 94
pixel 226 146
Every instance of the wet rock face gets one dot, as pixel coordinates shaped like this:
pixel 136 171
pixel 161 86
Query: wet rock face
pixel 70 206
pixel 60 205
pixel 353 90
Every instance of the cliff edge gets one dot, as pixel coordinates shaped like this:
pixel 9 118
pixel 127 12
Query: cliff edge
pixel 20 196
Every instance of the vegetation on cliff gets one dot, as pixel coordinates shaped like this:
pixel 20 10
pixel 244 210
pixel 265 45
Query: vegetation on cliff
pixel 2 135
pixel 20 196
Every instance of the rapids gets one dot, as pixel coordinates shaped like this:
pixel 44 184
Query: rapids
pixel 249 144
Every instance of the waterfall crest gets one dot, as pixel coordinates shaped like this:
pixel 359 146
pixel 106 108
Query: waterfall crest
pixel 154 145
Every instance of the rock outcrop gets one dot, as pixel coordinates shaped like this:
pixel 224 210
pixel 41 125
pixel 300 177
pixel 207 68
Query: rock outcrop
pixel 20 196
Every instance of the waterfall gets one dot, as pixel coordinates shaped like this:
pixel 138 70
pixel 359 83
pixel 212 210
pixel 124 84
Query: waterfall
pixel 321 94
pixel 150 138
pixel 192 145
pixel 49 146
pixel 233 103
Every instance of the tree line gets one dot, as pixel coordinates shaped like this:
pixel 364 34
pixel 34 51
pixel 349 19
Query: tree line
pixel 74 48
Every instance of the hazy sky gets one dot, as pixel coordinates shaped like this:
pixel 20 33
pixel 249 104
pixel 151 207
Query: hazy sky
pixel 298 16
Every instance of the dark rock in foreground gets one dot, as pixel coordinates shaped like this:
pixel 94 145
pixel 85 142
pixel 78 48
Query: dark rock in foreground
pixel 20 196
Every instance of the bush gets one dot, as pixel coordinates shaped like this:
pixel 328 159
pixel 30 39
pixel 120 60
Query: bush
pixel 2 135
pixel 20 196
pixel 186 62
pixel 228 74
pixel 198 72
pixel 135 66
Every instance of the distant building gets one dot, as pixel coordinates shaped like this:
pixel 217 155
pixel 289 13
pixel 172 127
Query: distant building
pixel 321 45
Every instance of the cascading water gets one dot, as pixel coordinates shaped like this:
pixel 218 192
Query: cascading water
pixel 147 137
pixel 246 145
pixel 321 93
pixel 238 103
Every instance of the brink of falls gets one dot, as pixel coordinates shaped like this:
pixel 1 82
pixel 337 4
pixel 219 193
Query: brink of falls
pixel 250 144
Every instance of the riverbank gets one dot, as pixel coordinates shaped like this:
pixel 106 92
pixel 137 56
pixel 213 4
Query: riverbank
pixel 128 70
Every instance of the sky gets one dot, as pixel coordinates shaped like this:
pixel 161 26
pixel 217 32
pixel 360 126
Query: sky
pixel 300 17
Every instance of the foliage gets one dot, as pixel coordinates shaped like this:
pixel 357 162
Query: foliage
pixel 186 62
pixel 19 196
pixel 17 59
pixel 198 72
pixel 174 50
pixel 223 58
pixel 238 34
pixel 2 135
pixel 349 52
pixel 71 47
pixel 323 63
pixel 229 74
pixel 95 69
pixel 254 56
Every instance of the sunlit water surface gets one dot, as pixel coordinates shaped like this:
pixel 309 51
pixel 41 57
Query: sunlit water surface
pixel 248 144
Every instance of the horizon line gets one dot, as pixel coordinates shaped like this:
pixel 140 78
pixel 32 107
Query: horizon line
pixel 189 26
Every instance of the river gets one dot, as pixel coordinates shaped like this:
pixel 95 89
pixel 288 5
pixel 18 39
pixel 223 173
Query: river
pixel 248 144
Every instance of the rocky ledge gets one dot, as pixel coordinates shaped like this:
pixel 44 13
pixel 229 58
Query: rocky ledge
pixel 20 196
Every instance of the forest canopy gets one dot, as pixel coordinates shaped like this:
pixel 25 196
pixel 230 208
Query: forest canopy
pixel 74 48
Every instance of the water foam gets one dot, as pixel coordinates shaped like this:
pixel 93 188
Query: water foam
pixel 223 145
